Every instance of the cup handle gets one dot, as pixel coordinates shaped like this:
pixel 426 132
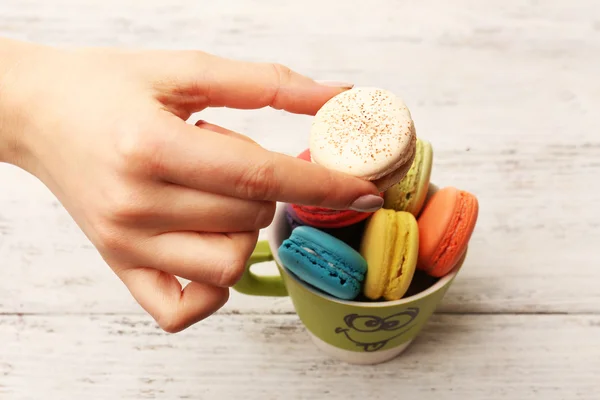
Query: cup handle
pixel 258 285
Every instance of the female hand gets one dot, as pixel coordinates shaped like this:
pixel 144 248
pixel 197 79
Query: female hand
pixel 106 131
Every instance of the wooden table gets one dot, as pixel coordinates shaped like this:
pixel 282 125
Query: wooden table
pixel 507 91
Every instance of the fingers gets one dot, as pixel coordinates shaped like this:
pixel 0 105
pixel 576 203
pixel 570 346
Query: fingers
pixel 160 294
pixel 213 262
pixel 213 258
pixel 177 208
pixel 198 80
pixel 247 171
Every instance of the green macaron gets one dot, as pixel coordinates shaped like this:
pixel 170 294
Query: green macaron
pixel 409 194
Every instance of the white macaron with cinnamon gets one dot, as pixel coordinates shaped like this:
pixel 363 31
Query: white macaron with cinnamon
pixel 365 132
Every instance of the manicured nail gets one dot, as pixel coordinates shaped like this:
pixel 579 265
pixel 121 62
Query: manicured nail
pixel 367 203
pixel 338 84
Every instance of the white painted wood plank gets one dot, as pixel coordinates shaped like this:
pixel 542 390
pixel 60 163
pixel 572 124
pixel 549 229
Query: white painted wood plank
pixel 506 92
pixel 532 259
pixel 266 357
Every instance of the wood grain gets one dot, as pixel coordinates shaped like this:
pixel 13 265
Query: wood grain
pixel 506 91
pixel 527 261
pixel 271 357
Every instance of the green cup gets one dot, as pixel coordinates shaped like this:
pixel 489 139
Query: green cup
pixel 351 331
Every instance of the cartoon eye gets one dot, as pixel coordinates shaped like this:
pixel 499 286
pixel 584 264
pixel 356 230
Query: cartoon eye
pixel 390 325
pixel 363 323
pixel 399 320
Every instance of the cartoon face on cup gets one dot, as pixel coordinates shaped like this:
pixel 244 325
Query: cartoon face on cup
pixel 359 328
pixel 357 332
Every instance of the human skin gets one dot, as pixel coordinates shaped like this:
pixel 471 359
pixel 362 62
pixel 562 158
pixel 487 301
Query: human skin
pixel 105 130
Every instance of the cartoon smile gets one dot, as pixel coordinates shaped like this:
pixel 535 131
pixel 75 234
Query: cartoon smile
pixel 359 328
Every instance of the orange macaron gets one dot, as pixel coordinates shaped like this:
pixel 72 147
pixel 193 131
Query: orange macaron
pixel 445 227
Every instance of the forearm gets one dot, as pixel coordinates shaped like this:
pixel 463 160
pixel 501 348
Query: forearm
pixel 12 52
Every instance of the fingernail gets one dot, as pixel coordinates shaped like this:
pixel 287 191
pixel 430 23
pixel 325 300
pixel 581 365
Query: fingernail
pixel 338 84
pixel 367 203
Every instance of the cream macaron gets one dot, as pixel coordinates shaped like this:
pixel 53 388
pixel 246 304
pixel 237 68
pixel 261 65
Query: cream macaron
pixel 365 132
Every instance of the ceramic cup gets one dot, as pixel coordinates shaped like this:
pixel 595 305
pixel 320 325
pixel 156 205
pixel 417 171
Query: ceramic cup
pixel 355 332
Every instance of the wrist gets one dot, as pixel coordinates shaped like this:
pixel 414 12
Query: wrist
pixel 12 114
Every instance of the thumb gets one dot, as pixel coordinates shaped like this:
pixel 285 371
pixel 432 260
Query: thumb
pixel 203 80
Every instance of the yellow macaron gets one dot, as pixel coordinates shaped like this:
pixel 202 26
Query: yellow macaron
pixel 390 245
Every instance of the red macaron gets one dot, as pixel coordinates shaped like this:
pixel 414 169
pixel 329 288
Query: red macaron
pixel 320 217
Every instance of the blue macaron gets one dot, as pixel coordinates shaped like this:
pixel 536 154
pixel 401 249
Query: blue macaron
pixel 324 262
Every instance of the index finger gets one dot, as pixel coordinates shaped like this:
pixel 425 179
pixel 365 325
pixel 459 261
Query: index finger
pixel 221 82
pixel 211 162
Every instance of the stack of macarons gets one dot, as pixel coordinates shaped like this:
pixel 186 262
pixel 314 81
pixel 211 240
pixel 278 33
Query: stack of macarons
pixel 373 256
